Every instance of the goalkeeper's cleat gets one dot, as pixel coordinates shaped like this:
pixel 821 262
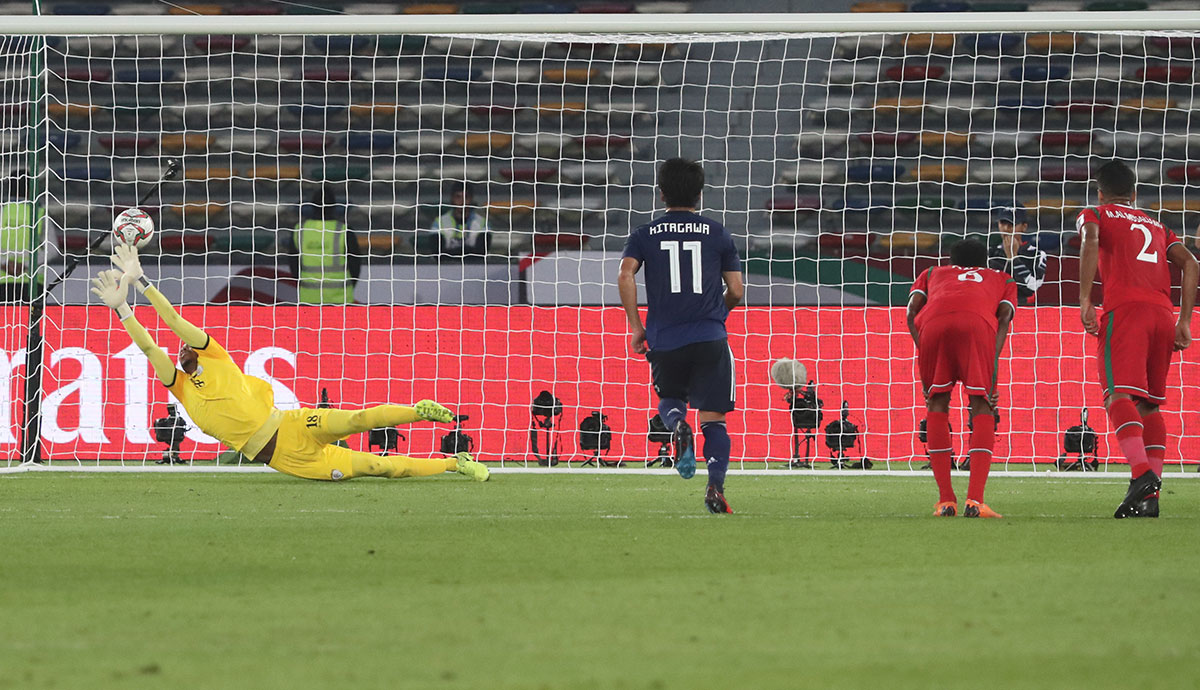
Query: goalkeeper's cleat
pixel 470 468
pixel 432 411
pixel 1141 488
pixel 685 450
pixel 975 509
pixel 945 509
pixel 715 501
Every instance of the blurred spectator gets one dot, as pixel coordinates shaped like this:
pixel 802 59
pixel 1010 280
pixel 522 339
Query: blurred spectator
pixel 324 254
pixel 1020 259
pixel 461 230
pixel 18 244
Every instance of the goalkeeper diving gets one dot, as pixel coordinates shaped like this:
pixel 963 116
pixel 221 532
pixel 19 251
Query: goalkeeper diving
pixel 239 410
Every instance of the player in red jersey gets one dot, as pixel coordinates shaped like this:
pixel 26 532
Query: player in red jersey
pixel 1138 331
pixel 958 316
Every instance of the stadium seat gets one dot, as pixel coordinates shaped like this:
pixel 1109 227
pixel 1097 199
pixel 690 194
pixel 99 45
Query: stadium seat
pixel 603 142
pixel 791 205
pixel 599 172
pixel 376 111
pixel 1060 42
pixel 1184 173
pixel 400 171
pixel 92 172
pixel 82 8
pixel 878 6
pixel 490 8
pixel 208 173
pixel 908 242
pixel 578 75
pixel 604 8
pixel 76 73
pixel 561 108
pixel 1088 106
pixel 220 44
pixel 1116 6
pixel 934 141
pixel 1057 141
pixel 378 142
pixel 62 141
pixel 432 8
pixel 512 207
pixel 1059 172
pixel 811 171
pixel 1184 46
pixel 336 171
pixel 988 44
pixel 328 74
pixel 275 172
pixel 258 10
pixel 423 141
pixel 63 111
pixel 529 173
pixel 145 75
pixel 1039 73
pixel 927 43
pixel 127 142
pixel 664 7
pixel 1177 206
pixel 999 6
pixel 939 172
pixel 453 74
pixel 879 172
pixel 463 169
pixel 306 143
pixel 196 9
pixel 185 143
pixel 1142 104
pixel 915 72
pixel 194 242
pixel 940 6
pixel 1054 208
pixel 846 243
pixel 338 45
pixel 483 143
pixel 1173 74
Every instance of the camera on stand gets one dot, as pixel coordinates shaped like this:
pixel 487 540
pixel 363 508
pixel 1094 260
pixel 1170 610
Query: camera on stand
pixel 805 407
pixel 456 440
pixel 171 431
pixel 546 415
pixel 660 434
pixel 595 435
pixel 1080 441
pixel 387 439
pixel 841 435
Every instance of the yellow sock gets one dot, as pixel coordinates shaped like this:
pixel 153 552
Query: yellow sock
pixel 399 466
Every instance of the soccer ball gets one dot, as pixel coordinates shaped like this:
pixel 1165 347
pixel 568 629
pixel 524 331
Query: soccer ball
pixel 788 373
pixel 133 226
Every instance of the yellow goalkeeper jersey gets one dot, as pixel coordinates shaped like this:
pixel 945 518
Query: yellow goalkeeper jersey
pixel 223 401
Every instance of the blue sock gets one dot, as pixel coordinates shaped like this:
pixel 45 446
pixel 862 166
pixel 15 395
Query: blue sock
pixel 716 452
pixel 671 410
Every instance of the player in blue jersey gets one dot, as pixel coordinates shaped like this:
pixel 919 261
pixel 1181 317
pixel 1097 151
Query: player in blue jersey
pixel 693 279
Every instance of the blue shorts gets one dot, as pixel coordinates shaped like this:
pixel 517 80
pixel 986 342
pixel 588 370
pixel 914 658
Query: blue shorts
pixel 700 374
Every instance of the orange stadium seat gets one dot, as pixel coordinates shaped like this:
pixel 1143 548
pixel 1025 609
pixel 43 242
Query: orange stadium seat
pixel 484 142
pixel 1054 206
pixel 185 143
pixel 937 141
pixel 926 43
pixel 551 108
pixel 879 6
pixel 1177 205
pixel 940 172
pixel 1051 43
pixel 196 9
pixel 276 172
pixel 61 111
pixel 1139 103
pixel 375 110
pixel 515 207
pixel 577 75
pixel 908 242
pixel 432 8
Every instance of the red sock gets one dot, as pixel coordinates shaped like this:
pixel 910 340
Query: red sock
pixel 937 433
pixel 1154 435
pixel 1127 423
pixel 983 440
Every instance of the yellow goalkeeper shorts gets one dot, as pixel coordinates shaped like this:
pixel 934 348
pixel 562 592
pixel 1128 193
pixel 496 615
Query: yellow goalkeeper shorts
pixel 299 453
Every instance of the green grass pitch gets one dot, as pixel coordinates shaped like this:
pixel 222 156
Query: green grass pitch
pixel 262 581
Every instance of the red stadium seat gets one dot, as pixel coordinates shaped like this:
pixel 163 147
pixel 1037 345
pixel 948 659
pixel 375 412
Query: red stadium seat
pixel 850 242
pixel 432 8
pixel 1174 74
pixel 888 139
pixel 87 74
pixel 915 72
pixel 196 9
pixel 545 241
pixel 1066 139
pixel 529 173
pixel 220 44
pixel 304 142
pixel 1185 173
pixel 184 242
pixel 603 141
pixel 1056 172
pixel 132 142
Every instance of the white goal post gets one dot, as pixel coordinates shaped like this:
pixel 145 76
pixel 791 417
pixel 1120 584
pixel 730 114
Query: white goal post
pixel 846 152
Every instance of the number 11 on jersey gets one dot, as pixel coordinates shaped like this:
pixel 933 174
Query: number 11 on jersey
pixel 671 247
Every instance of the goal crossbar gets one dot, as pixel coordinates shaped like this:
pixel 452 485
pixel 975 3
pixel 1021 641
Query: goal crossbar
pixel 713 23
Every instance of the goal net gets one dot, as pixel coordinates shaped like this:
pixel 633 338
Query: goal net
pixel 844 164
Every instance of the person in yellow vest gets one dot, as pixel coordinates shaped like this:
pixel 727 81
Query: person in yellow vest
pixel 462 229
pixel 18 240
pixel 239 410
pixel 326 258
